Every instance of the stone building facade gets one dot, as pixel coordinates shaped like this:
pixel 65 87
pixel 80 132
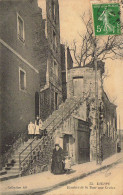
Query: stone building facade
pixel 66 64
pixel 108 125
pixel 72 132
pixel 67 129
pixel 19 69
pixel 81 83
pixel 30 64
pixel 71 137
pixel 51 88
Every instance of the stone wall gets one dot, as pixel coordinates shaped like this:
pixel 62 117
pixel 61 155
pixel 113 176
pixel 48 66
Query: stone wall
pixel 18 106
pixel 108 146
pixel 108 125
pixel 54 77
pixel 88 75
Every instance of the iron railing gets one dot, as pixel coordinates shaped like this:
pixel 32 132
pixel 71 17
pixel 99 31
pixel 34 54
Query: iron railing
pixel 70 109
pixel 18 141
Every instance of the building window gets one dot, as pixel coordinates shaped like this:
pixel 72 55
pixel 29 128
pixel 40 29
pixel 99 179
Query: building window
pixel 78 86
pixel 22 79
pixel 55 68
pixel 20 28
pixel 54 41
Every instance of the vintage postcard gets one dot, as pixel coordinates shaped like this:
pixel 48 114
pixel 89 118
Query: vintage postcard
pixel 61 97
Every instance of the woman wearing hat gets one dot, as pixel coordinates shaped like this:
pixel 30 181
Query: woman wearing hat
pixel 57 166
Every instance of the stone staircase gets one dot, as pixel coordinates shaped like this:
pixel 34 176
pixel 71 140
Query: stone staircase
pixel 65 109
pixel 11 169
pixel 27 152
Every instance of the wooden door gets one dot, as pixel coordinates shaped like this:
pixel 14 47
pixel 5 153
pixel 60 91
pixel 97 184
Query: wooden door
pixel 66 144
pixel 83 146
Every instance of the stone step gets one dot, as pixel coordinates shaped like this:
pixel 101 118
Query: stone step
pixel 16 157
pixel 54 114
pixel 27 150
pixel 16 164
pixel 50 118
pixel 7 168
pixel 9 176
pixel 13 171
pixel 8 164
pixel 17 160
pixel 23 146
pixel 20 149
pixel 15 168
pixel 3 172
pixel 55 119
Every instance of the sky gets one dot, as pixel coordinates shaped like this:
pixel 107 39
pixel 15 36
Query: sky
pixel 70 27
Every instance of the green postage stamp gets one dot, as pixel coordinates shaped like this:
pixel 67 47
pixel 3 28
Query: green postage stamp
pixel 106 19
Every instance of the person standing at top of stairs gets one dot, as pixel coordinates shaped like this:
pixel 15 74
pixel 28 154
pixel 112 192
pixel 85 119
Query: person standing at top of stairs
pixel 31 130
pixel 42 131
pixel 37 132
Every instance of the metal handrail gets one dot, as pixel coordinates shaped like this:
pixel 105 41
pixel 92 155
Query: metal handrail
pixel 27 146
pixel 35 137
pixel 32 149
pixel 31 144
pixel 44 137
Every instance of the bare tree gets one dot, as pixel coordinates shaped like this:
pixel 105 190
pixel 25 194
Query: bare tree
pixel 110 47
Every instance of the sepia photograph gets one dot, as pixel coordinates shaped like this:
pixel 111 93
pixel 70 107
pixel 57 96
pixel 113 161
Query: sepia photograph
pixel 61 97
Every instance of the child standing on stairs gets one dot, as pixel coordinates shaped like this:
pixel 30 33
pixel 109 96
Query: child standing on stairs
pixel 40 127
pixel 31 130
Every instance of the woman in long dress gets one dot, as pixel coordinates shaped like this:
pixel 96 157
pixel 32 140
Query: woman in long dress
pixel 57 166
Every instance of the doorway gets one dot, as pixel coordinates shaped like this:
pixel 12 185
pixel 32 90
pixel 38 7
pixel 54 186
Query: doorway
pixel 36 104
pixel 83 142
pixel 78 86
pixel 66 144
pixel 83 147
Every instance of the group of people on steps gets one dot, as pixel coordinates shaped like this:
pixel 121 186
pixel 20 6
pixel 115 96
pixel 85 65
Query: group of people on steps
pixel 35 129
